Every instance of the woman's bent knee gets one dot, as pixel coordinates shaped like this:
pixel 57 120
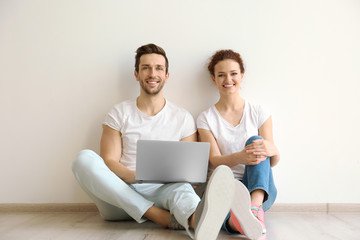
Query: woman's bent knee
pixel 251 139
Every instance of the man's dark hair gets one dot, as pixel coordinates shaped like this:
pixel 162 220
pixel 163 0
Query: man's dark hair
pixel 149 49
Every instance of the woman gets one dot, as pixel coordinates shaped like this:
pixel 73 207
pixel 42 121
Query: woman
pixel 240 135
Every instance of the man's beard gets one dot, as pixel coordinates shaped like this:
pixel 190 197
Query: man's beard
pixel 152 91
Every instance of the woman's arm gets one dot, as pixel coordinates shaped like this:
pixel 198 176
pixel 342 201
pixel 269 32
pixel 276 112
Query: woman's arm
pixel 266 146
pixel 230 160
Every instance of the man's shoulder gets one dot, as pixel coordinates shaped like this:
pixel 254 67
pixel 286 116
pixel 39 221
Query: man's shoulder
pixel 174 107
pixel 124 105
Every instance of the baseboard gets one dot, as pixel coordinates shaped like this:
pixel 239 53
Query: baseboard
pixel 317 207
pixel 344 207
pixel 49 207
pixel 90 207
pixel 299 207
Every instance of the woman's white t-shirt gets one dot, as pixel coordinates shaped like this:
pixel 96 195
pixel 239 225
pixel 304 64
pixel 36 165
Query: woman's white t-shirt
pixel 232 139
pixel 171 123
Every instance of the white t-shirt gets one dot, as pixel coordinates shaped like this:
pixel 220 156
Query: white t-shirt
pixel 171 123
pixel 232 139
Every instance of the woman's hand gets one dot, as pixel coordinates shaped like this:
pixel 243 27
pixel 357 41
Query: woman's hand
pixel 251 158
pixel 261 147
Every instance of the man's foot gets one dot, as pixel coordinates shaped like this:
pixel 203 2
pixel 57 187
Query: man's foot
pixel 241 215
pixel 215 204
pixel 174 224
pixel 258 212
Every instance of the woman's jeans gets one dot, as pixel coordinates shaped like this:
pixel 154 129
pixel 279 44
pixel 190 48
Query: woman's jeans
pixel 259 177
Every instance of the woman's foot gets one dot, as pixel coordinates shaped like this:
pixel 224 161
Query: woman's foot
pixel 259 214
pixel 242 216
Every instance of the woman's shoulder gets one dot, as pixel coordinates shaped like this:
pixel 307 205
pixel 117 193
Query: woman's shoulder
pixel 251 104
pixel 206 118
pixel 257 113
pixel 208 112
pixel 254 107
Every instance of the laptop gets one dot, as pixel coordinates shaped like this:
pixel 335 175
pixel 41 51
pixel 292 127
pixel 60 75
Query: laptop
pixel 171 161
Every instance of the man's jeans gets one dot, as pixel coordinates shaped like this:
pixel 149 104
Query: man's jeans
pixel 117 200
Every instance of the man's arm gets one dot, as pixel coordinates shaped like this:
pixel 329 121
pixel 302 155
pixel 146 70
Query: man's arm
pixel 191 138
pixel 111 151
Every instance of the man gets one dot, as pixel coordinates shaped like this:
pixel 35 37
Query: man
pixel 109 179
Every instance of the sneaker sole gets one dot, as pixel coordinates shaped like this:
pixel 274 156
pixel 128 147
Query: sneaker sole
pixel 241 209
pixel 219 196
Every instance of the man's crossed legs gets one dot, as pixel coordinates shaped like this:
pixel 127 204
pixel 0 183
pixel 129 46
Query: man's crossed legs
pixel 168 205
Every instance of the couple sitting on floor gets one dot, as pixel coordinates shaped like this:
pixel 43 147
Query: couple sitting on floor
pixel 240 185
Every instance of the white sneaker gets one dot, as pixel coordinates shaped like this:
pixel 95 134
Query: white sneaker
pixel 215 204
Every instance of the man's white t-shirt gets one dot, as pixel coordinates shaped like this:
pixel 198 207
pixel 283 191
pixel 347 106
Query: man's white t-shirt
pixel 171 123
pixel 232 139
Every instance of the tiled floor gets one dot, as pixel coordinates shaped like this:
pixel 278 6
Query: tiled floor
pixel 89 225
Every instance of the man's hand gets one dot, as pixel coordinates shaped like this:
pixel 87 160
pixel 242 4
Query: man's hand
pixel 130 177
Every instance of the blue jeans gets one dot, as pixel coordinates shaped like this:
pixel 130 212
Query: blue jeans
pixel 259 177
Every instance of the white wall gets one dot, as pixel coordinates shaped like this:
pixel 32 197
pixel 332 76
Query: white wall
pixel 64 64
